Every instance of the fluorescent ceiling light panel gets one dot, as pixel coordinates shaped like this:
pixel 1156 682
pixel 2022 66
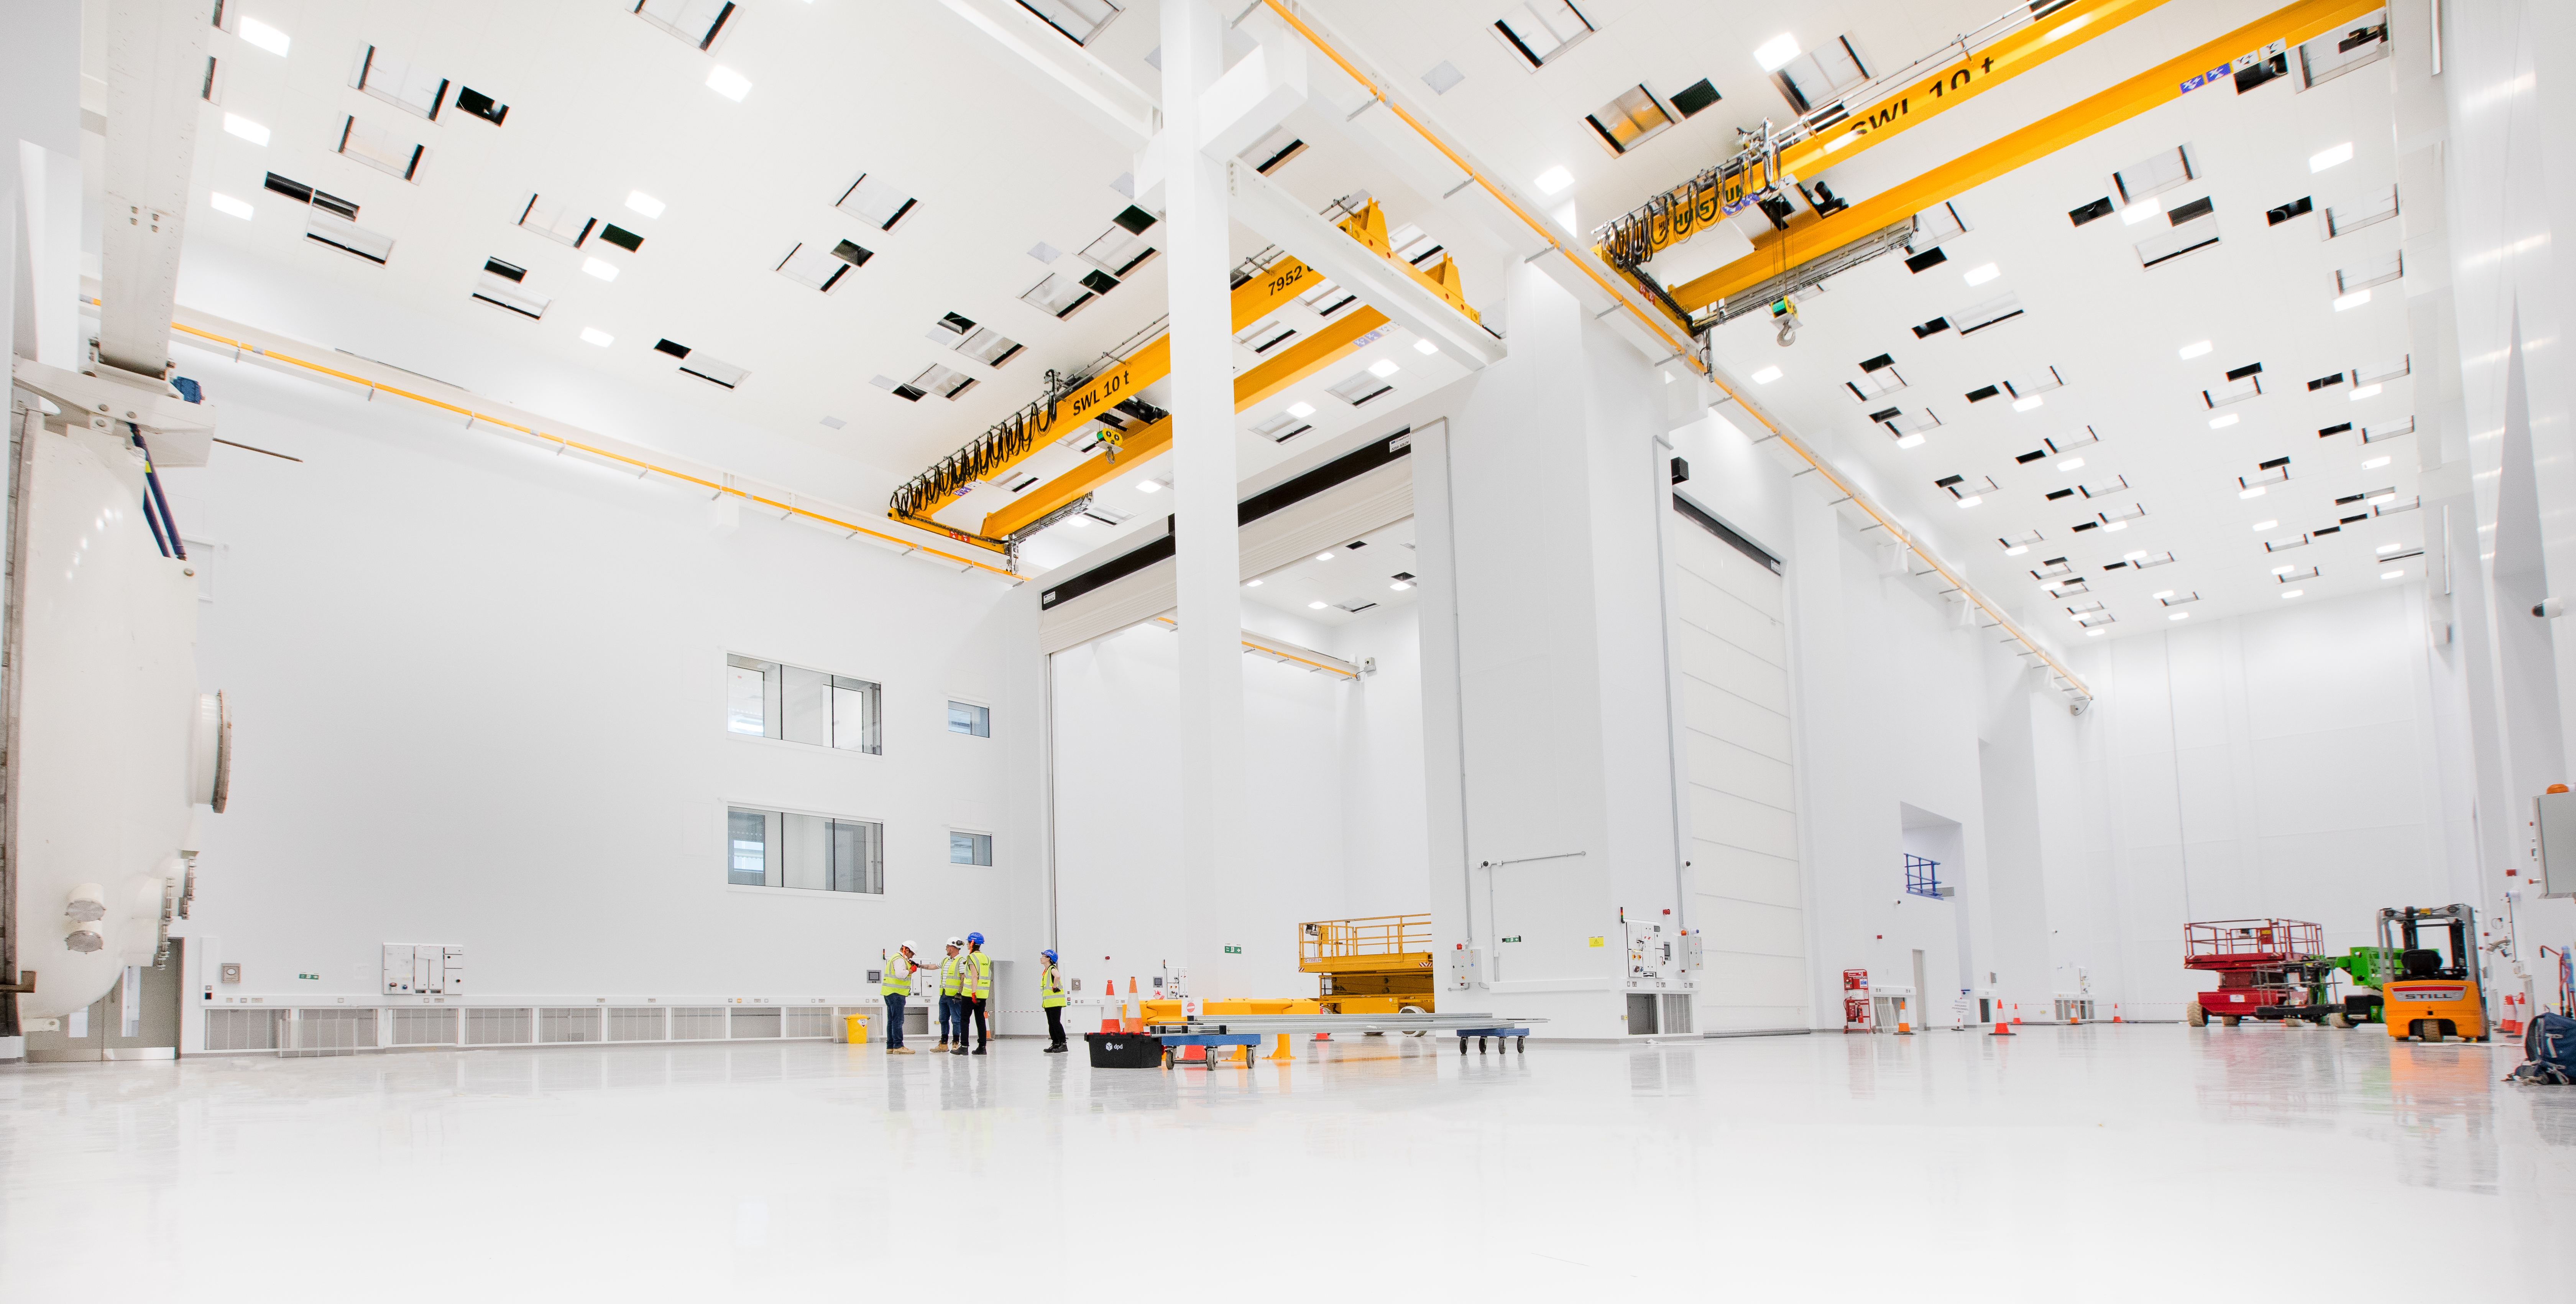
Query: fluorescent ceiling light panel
pixel 2392 575
pixel 1399 586
pixel 265 37
pixel 1149 486
pixel 2293 593
pixel 248 130
pixel 603 270
pixel 2070 464
pixel 2352 300
pixel 2371 465
pixel 2140 211
pixel 728 83
pixel 2366 391
pixel 1982 274
pixel 231 207
pixel 1252 584
pixel 1909 441
pixel 1314 606
pixel 2178 615
pixel 2320 161
pixel 1775 54
pixel 1766 375
pixel 1301 410
pixel 594 335
pixel 2387 548
pixel 2195 350
pixel 1972 500
pixel 2223 422
pixel 1553 180
pixel 2026 404
pixel 644 203
pixel 1383 368
pixel 2255 492
pixel 1426 348
pixel 1323 556
pixel 2267 525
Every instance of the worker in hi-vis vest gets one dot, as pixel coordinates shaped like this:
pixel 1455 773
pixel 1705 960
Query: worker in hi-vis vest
pixel 899 969
pixel 974 995
pixel 952 974
pixel 1051 997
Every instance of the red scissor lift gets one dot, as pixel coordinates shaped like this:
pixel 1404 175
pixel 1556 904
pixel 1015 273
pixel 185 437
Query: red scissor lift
pixel 2259 963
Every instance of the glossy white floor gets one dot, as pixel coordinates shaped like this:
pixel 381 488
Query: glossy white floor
pixel 2128 1162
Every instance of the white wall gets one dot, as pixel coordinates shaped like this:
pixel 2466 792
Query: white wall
pixel 479 694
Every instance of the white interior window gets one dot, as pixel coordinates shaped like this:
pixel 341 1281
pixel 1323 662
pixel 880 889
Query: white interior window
pixel 815 853
pixel 764 699
pixel 968 718
pixel 970 848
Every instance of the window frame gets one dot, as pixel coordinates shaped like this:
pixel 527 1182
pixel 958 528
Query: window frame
pixel 770 701
pixel 768 808
pixel 956 700
pixel 955 833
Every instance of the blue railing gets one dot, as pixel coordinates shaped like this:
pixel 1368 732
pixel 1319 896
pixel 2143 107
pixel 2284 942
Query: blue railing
pixel 1922 877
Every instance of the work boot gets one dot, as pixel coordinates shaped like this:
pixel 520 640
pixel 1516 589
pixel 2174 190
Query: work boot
pixel 959 1051
pixel 1056 1049
pixel 899 1050
pixel 979 1050
pixel 943 1045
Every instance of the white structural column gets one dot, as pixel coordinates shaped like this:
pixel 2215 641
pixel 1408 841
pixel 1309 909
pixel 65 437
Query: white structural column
pixel 1203 483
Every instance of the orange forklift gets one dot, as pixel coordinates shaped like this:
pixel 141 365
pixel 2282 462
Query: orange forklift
pixel 2435 994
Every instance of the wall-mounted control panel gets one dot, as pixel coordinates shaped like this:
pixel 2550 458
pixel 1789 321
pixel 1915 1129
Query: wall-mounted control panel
pixel 424 969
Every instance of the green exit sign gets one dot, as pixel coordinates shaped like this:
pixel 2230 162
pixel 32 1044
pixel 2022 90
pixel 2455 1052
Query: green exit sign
pixel 1511 939
pixel 310 977
pixel 1234 950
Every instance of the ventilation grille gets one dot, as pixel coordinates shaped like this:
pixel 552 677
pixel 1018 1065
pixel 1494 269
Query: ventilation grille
pixel 424 1027
pixel 636 1023
pixel 498 1028
pixel 698 1023
pixel 329 1032
pixel 242 1029
pixel 812 1022
pixel 754 1023
pixel 563 1023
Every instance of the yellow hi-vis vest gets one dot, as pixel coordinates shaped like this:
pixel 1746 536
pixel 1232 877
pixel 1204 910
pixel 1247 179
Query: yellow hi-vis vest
pixel 898 975
pixel 952 971
pixel 979 974
pixel 1050 987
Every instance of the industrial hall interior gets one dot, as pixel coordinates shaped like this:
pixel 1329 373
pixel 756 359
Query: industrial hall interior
pixel 673 649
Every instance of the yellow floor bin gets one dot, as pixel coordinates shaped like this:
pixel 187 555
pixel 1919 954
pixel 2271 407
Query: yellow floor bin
pixel 854 1030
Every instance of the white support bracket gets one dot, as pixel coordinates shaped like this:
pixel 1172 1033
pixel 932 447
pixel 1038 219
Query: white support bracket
pixel 1066 71
pixel 182 433
pixel 156 67
pixel 1281 218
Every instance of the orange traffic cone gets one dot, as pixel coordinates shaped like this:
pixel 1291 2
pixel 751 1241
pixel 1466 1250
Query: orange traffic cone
pixel 2002 1029
pixel 2115 1011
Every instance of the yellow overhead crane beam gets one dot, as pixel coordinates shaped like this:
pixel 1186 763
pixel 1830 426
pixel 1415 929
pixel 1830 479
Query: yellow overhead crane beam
pixel 1253 300
pixel 1808 237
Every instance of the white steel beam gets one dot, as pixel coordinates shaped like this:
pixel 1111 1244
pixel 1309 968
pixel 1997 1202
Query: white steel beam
pixel 1065 70
pixel 156 72
pixel 1285 220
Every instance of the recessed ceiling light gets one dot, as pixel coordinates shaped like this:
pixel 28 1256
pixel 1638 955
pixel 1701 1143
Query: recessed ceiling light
pixel 2366 391
pixel 2283 570
pixel 1972 500
pixel 2017 550
pixel 2093 633
pixel 1323 556
pixel 2161 594
pixel 1149 486
pixel 1979 275
pixel 2319 162
pixel 1908 441
pixel 2178 615
pixel 2392 575
pixel 1399 586
pixel 2026 404
pixel 1252 584
pixel 2292 593
pixel 1668 377
pixel 2374 464
pixel 1553 180
pixel 1301 411
pixel 231 207
pixel 1383 368
pixel 1314 606
pixel 245 128
pixel 604 271
pixel 1426 348
pixel 594 335
pixel 2352 300
pixel 2195 350
pixel 1775 54
pixel 1766 375
pixel 2267 525
pixel 2133 556
pixel 2070 464
pixel 729 84
pixel 2221 423
pixel 644 203
pixel 264 36
pixel 2140 211
pixel 2255 492
pixel 2384 496
pixel 2116 526
pixel 1080 522
pixel 2387 548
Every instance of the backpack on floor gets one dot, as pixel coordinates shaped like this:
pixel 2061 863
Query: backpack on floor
pixel 2549 1048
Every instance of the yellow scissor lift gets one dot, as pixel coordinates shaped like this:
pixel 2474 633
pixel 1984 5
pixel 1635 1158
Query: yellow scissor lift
pixel 1377 965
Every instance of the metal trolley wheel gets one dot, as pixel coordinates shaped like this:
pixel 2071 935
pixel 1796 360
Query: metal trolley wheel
pixel 1411 1010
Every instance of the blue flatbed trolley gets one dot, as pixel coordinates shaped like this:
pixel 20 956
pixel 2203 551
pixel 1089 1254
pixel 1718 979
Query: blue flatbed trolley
pixel 1519 1037
pixel 1247 1040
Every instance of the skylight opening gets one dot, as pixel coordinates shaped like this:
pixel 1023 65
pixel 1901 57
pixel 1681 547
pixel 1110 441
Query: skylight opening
pixel 818 268
pixel 1541 30
pixel 1057 296
pixel 381 148
pixel 1630 120
pixel 946 382
pixel 556 221
pixel 879 203
pixel 406 86
pixel 1284 426
pixel 1359 387
pixel 699 23
pixel 1116 251
pixel 1080 21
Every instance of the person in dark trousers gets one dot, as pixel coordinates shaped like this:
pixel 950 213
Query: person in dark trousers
pixel 899 969
pixel 951 970
pixel 1051 998
pixel 976 990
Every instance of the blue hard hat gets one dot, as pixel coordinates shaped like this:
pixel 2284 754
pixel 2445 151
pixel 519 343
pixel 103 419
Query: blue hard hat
pixel 1050 956
pixel 975 939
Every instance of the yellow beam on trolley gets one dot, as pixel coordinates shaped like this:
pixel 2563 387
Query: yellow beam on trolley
pixel 1295 363
pixel 1808 236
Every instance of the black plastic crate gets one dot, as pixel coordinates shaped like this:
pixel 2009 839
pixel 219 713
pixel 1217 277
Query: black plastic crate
pixel 1124 1050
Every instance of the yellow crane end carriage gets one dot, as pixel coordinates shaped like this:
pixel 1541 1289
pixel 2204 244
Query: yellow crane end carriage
pixel 1377 965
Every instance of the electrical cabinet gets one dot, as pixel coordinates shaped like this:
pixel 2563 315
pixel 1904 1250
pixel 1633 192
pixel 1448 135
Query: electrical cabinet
pixel 424 969
pixel 1466 967
pixel 2554 819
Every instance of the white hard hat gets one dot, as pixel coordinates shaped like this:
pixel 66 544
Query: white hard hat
pixel 956 941
pixel 909 947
